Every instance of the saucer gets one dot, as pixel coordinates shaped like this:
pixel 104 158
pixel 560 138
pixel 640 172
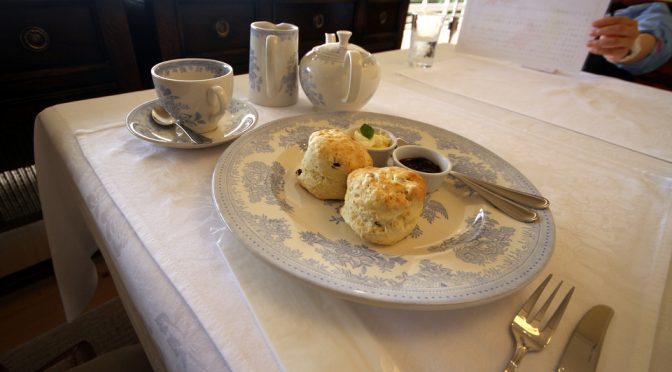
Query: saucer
pixel 240 117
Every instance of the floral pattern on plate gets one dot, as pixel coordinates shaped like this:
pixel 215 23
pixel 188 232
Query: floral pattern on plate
pixel 462 252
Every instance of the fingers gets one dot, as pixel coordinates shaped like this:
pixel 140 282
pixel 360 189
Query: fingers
pixel 614 26
pixel 612 37
pixel 611 42
pixel 613 48
pixel 615 30
pixel 613 54
pixel 607 21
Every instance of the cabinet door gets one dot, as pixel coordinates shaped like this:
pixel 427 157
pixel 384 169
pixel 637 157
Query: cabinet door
pixel 315 18
pixel 56 51
pixel 380 24
pixel 89 41
pixel 217 29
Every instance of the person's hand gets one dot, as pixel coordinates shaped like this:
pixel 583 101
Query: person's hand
pixel 613 37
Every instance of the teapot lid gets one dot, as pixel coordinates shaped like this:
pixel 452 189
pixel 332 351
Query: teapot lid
pixel 336 50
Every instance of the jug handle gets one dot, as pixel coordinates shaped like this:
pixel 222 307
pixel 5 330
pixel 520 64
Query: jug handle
pixel 353 63
pixel 217 97
pixel 271 73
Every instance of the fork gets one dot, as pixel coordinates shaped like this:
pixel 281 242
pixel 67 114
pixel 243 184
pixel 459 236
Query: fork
pixel 529 334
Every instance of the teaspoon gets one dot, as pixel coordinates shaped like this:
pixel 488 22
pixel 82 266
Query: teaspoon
pixel 162 117
pixel 507 206
pixel 520 197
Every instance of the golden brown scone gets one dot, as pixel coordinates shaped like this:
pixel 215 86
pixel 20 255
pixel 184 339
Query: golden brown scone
pixel 383 205
pixel 330 157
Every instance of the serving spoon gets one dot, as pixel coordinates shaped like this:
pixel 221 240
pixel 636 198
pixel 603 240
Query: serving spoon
pixel 506 205
pixel 520 197
pixel 510 201
pixel 162 117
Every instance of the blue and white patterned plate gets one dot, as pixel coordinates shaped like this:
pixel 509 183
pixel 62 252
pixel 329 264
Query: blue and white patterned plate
pixel 240 117
pixel 463 251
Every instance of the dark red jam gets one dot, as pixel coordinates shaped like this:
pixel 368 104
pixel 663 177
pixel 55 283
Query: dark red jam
pixel 421 165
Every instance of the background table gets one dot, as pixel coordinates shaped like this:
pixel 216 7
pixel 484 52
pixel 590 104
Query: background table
pixel 596 147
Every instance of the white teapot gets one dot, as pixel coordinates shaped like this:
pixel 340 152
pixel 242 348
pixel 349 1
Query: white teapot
pixel 338 76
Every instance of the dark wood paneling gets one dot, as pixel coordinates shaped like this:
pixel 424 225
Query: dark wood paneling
pixel 218 29
pixel 315 18
pixel 49 37
pixel 113 25
pixel 57 51
pixel 380 24
pixel 186 28
pixel 74 49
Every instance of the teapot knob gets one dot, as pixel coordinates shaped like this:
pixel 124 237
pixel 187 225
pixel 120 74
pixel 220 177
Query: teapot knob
pixel 343 37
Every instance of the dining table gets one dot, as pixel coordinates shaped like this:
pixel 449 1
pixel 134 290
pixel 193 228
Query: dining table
pixel 201 298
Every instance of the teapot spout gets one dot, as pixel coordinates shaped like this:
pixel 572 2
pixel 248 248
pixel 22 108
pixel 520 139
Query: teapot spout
pixel 329 38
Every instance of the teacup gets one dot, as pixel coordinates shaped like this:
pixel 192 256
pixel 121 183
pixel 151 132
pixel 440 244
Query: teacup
pixel 380 155
pixel 403 156
pixel 194 91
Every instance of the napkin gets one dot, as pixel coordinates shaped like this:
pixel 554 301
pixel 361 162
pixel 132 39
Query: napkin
pixel 164 195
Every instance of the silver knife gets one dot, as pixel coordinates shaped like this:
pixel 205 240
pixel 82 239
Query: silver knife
pixel 583 349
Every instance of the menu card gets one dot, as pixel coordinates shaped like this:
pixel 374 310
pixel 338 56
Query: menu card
pixel 540 34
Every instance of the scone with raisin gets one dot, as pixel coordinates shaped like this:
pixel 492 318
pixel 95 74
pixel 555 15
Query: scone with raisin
pixel 383 205
pixel 330 157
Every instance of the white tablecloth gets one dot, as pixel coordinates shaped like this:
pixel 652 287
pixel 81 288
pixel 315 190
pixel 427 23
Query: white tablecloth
pixel 201 301
pixel 627 115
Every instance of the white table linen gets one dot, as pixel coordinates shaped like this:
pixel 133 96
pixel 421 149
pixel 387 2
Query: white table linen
pixel 172 336
pixel 203 302
pixel 627 115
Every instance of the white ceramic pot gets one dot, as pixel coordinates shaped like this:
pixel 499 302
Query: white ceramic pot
pixel 338 76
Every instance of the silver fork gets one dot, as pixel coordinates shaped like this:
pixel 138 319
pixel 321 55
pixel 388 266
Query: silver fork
pixel 529 334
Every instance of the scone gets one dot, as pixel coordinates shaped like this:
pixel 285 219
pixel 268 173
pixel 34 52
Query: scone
pixel 383 205
pixel 330 157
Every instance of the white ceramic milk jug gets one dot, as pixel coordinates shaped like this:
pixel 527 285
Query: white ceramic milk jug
pixel 274 59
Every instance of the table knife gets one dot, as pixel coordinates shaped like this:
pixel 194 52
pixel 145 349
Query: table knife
pixel 583 349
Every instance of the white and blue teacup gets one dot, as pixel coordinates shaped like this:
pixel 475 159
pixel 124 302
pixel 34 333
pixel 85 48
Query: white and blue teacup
pixel 195 91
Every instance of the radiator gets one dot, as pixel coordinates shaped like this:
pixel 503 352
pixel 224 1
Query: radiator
pixel 19 201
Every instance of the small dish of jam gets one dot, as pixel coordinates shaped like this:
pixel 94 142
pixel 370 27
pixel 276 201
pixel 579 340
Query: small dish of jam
pixel 428 163
pixel 421 165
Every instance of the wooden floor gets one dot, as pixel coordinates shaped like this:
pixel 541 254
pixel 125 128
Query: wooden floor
pixel 36 308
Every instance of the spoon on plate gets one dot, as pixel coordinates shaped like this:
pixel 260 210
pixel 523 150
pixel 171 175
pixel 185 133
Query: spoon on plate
pixel 508 206
pixel 520 197
pixel 162 117
pixel 510 201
